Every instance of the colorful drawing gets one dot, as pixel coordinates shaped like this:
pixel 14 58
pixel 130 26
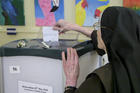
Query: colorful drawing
pixel 47 12
pixel 12 12
pixel 89 11
pixel 134 4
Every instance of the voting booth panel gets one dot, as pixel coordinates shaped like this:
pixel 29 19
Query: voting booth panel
pixel 38 70
pixel 88 63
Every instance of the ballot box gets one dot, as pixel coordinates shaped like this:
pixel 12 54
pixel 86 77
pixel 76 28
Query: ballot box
pixel 32 66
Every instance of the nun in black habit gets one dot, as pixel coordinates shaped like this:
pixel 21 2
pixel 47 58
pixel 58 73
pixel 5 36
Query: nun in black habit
pixel 120 29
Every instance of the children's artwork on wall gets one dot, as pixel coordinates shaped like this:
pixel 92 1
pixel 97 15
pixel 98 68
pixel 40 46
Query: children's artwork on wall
pixel 47 12
pixel 134 4
pixel 89 11
pixel 12 12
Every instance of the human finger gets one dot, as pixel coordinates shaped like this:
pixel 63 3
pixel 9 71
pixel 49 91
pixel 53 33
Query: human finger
pixel 68 54
pixel 63 59
pixel 57 28
pixel 75 55
pixel 62 32
pixel 72 53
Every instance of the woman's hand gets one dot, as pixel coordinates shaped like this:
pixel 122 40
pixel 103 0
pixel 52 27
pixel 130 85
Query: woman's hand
pixel 63 26
pixel 71 67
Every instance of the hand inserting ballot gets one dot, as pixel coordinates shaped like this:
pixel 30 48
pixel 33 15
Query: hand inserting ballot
pixel 63 26
pixel 71 66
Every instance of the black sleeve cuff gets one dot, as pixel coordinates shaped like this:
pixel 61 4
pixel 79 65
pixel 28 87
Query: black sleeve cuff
pixel 70 89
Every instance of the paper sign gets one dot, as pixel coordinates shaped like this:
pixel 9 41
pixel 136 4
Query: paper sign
pixel 26 87
pixel 14 69
pixel 49 34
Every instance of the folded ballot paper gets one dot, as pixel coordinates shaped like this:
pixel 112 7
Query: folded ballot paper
pixel 49 34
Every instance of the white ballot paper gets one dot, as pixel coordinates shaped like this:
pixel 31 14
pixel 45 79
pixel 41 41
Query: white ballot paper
pixel 26 87
pixel 49 34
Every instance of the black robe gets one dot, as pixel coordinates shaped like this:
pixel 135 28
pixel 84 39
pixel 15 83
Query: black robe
pixel 120 28
pixel 99 81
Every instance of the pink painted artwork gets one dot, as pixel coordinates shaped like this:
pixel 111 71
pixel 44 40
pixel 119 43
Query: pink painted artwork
pixel 47 13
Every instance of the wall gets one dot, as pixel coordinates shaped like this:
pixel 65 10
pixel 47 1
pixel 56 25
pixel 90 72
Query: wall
pixel 31 31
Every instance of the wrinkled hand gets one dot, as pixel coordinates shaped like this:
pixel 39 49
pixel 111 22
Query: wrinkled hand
pixel 71 67
pixel 63 26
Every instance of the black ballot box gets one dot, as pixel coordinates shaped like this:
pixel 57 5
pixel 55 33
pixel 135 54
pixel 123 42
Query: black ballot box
pixel 32 66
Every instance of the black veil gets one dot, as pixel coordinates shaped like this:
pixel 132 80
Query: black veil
pixel 120 28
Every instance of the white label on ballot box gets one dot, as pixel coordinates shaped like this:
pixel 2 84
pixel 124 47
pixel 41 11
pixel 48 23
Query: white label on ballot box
pixel 26 87
pixel 49 34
